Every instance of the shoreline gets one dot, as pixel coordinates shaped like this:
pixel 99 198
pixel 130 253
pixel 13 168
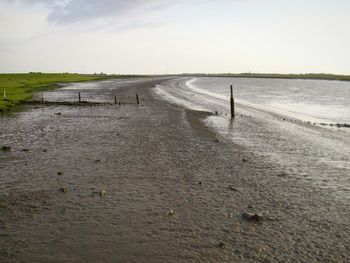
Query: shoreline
pixel 18 88
pixel 175 191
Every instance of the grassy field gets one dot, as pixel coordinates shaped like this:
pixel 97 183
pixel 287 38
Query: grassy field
pixel 20 87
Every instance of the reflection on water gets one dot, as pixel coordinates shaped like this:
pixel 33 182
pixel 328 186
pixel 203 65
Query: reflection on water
pixel 270 127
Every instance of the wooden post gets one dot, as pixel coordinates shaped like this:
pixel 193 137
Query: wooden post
pixel 232 104
pixel 42 97
pixel 79 97
pixel 115 99
pixel 4 94
pixel 137 99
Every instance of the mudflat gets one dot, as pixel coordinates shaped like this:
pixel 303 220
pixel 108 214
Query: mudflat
pixel 151 183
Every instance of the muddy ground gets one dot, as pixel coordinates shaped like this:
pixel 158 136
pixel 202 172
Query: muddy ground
pixel 151 183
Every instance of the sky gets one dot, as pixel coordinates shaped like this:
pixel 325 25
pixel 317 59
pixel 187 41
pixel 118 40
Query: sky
pixel 182 36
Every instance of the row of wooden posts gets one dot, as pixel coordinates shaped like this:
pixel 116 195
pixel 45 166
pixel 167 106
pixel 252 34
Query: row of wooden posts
pixel 232 100
pixel 80 100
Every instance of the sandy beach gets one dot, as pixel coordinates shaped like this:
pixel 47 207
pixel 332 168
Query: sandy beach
pixel 152 183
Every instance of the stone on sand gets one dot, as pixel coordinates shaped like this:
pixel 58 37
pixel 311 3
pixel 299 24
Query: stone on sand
pixel 252 216
pixel 5 148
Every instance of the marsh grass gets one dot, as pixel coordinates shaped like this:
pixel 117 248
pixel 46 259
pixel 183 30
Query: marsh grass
pixel 20 87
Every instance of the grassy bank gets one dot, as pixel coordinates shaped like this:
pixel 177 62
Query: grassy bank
pixel 20 87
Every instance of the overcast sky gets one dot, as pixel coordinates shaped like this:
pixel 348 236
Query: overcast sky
pixel 175 36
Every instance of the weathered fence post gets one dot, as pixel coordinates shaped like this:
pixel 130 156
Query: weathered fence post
pixel 137 99
pixel 115 99
pixel 79 97
pixel 5 94
pixel 232 104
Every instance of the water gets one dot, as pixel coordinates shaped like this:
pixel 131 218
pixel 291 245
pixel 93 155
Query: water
pixel 280 120
pixel 102 91
pixel 309 100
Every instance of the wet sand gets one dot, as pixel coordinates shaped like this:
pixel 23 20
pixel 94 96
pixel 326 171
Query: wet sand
pixel 174 191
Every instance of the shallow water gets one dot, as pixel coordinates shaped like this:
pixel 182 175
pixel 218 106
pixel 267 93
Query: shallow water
pixel 309 100
pixel 283 135
pixel 102 91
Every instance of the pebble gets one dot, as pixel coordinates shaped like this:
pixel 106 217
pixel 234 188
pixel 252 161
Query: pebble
pixel 103 192
pixel 252 216
pixel 233 189
pixel 170 212
pixel 282 174
pixel 63 190
pixel 5 148
pixel 221 244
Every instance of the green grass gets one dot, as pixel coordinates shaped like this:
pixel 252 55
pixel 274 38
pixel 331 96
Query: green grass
pixel 20 87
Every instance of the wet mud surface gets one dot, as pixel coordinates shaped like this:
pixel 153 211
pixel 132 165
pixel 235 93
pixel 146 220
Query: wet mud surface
pixel 151 183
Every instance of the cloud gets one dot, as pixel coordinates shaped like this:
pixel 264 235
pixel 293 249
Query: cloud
pixel 78 11
pixel 105 15
pixel 48 3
